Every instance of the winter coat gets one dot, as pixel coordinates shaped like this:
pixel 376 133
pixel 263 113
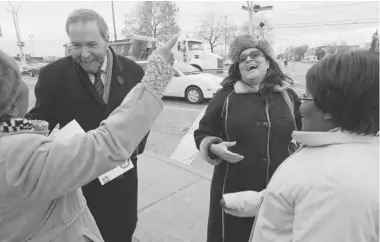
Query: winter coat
pixel 40 177
pixel 261 124
pixel 64 92
pixel 328 191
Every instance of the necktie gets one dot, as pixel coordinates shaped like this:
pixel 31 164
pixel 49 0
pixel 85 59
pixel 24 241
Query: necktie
pixel 99 84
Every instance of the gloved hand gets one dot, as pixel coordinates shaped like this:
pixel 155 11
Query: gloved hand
pixel 159 67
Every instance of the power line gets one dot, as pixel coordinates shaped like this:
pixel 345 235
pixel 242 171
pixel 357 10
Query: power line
pixel 329 22
pixel 327 6
pixel 310 24
pixel 300 26
pixel 322 25
pixel 306 8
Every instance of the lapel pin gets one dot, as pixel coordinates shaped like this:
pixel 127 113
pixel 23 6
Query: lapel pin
pixel 120 80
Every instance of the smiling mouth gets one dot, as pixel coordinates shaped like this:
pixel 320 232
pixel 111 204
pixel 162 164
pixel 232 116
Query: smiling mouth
pixel 252 67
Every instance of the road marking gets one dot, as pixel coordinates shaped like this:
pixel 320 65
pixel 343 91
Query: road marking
pixel 183 109
pixel 186 151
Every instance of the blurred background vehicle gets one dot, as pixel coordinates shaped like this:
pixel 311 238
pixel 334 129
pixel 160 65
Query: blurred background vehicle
pixel 190 83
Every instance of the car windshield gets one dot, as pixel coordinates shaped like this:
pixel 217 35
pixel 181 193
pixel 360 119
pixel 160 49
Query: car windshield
pixel 186 68
pixel 194 45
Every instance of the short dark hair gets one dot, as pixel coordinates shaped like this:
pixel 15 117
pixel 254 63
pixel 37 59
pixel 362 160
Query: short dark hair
pixel 88 15
pixel 346 86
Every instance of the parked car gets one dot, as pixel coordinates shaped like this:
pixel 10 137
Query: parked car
pixel 190 83
pixel 35 70
pixel 24 69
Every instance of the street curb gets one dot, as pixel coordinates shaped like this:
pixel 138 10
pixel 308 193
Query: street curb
pixel 177 164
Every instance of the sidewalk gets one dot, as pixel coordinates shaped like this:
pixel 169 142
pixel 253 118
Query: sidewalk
pixel 173 201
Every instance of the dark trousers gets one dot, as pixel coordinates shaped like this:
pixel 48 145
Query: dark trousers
pixel 114 206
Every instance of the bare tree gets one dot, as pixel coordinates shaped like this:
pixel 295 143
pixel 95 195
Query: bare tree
pixel 375 42
pixel 153 19
pixel 212 31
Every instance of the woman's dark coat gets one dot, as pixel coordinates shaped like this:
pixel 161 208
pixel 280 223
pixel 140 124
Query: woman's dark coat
pixel 249 119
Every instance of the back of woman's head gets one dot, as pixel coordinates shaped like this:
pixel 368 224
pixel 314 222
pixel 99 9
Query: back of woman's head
pixel 346 86
pixel 10 79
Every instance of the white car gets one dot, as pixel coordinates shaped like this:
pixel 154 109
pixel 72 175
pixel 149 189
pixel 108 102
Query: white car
pixel 190 83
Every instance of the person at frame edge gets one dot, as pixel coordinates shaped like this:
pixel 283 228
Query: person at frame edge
pixel 334 196
pixel 41 178
pixel 67 89
pixel 245 132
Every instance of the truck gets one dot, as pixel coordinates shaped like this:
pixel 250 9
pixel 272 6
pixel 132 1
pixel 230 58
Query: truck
pixel 192 51
pixel 135 47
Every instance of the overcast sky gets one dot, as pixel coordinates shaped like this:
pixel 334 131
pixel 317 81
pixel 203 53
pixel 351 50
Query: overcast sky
pixel 46 20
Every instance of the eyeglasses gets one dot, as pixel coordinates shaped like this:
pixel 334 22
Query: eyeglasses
pixel 253 54
pixel 304 97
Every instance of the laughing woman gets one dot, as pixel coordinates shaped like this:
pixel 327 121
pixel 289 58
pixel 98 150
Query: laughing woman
pixel 245 132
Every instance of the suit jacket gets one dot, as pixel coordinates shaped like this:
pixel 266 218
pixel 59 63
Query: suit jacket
pixel 64 92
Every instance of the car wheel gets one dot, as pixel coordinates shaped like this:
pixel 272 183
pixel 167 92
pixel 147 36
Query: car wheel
pixel 31 74
pixel 194 95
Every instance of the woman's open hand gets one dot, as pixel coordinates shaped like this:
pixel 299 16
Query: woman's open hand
pixel 221 150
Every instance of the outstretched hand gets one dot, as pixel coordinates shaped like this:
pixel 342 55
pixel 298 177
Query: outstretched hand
pixel 165 50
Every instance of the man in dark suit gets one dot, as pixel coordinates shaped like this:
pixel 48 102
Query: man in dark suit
pixel 87 86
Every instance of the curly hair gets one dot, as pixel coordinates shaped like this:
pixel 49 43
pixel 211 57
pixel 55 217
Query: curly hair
pixel 10 79
pixel 273 77
pixel 346 86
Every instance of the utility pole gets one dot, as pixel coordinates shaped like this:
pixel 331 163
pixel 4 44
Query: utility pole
pixel 31 40
pixel 20 44
pixel 113 17
pixel 225 35
pixel 253 8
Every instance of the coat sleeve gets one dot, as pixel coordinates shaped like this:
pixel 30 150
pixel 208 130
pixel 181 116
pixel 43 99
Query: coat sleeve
pixel 242 204
pixel 41 168
pixel 210 127
pixel 297 104
pixel 141 147
pixel 44 107
pixel 276 214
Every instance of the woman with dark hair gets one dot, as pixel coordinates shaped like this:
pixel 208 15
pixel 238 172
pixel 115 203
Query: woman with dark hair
pixel 245 132
pixel 329 189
